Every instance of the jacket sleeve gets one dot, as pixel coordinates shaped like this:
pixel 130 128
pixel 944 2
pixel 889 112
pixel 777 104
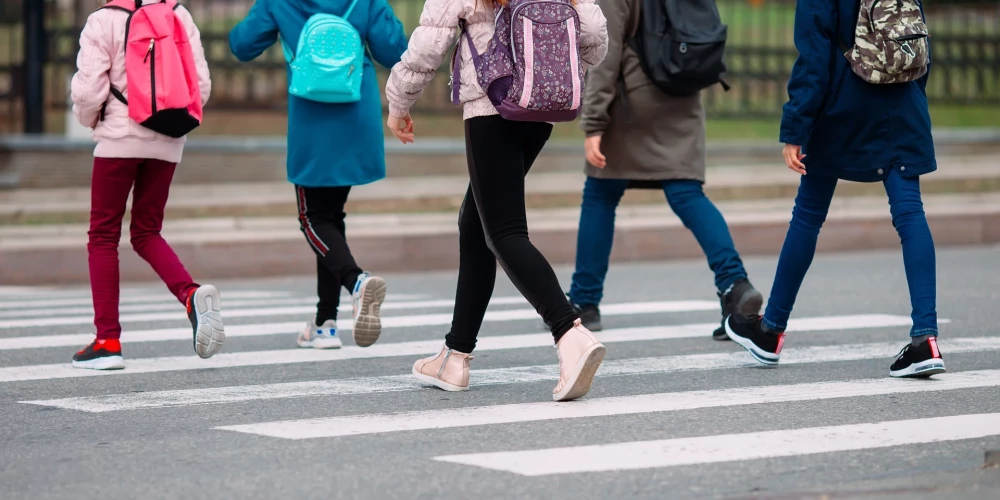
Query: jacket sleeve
pixel 255 33
pixel 602 80
pixel 815 39
pixel 386 38
pixel 426 51
pixel 201 64
pixel 593 33
pixel 91 84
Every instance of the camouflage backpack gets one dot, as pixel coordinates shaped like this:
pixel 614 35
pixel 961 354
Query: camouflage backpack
pixel 890 42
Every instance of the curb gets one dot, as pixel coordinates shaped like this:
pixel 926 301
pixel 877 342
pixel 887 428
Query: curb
pixel 438 249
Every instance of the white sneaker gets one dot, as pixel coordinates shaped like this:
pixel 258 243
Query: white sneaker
pixel 369 293
pixel 320 337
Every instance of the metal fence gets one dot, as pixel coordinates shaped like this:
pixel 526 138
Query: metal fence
pixel 760 53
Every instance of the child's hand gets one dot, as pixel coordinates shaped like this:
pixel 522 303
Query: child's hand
pixel 592 148
pixel 402 128
pixel 793 158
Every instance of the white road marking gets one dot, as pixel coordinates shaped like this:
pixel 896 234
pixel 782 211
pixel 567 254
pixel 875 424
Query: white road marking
pixel 304 303
pixel 46 301
pixel 343 325
pixel 646 403
pixel 499 376
pixel 733 447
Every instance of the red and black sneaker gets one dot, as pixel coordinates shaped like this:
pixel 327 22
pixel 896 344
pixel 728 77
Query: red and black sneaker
pixel 919 361
pixel 100 355
pixel 748 332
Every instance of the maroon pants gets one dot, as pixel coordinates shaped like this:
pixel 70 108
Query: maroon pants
pixel 112 180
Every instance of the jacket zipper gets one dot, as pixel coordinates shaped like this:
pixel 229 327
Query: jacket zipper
pixel 151 52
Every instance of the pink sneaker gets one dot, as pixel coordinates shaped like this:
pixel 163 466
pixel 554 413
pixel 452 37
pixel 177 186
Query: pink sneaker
pixel 580 355
pixel 448 369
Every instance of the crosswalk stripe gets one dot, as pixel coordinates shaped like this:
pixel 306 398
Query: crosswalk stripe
pixel 126 298
pixel 148 302
pixel 497 376
pixel 629 405
pixel 733 447
pixel 172 305
pixel 346 324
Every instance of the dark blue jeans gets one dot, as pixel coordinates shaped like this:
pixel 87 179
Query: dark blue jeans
pixel 597 231
pixel 811 206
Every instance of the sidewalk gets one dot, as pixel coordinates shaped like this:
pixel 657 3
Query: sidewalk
pixel 234 247
pixel 445 192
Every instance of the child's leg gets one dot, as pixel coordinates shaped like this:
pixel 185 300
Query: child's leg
pixel 321 214
pixel 918 250
pixel 687 199
pixel 111 182
pixel 811 206
pixel 594 238
pixel 152 188
pixel 328 291
pixel 477 274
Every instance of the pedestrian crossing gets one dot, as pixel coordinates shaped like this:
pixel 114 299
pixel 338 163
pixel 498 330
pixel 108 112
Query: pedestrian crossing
pixel 42 322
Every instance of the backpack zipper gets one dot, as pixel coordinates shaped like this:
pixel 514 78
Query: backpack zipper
pixel 152 69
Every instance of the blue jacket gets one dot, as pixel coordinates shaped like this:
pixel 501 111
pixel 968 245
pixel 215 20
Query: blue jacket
pixel 329 144
pixel 847 127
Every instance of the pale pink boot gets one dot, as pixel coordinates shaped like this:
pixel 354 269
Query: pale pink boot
pixel 580 355
pixel 448 369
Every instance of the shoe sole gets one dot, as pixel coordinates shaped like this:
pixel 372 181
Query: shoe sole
pixel 721 335
pixel 922 369
pixel 579 385
pixel 761 356
pixel 106 363
pixel 436 382
pixel 368 324
pixel 321 343
pixel 750 303
pixel 210 333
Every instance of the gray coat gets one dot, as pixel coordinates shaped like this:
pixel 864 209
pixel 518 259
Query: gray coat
pixel 665 137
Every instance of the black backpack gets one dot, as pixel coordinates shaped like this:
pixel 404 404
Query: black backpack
pixel 681 45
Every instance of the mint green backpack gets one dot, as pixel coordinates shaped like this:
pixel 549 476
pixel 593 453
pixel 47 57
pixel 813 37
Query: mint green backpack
pixel 328 63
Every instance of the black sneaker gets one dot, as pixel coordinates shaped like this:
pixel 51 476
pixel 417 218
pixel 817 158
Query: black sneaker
pixel 921 361
pixel 204 308
pixel 100 355
pixel 590 315
pixel 748 331
pixel 741 298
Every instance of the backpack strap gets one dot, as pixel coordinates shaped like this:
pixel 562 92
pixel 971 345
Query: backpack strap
pixel 456 60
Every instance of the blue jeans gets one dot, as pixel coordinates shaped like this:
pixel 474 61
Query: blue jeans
pixel 811 206
pixel 597 231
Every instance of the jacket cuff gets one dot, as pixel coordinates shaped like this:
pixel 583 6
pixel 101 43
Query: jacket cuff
pixel 397 111
pixel 592 128
pixel 793 131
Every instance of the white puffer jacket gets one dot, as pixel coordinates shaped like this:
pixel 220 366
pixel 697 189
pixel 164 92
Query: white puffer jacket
pixel 438 30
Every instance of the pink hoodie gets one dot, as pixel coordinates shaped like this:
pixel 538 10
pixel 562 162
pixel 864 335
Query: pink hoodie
pixel 101 64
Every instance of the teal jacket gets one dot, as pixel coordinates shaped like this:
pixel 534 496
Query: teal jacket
pixel 329 144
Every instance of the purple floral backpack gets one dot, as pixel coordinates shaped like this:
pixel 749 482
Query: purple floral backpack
pixel 531 70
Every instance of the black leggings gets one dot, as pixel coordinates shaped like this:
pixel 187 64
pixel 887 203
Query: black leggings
pixel 321 218
pixel 493 227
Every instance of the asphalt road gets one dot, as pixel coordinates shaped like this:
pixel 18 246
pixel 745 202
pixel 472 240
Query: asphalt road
pixel 672 413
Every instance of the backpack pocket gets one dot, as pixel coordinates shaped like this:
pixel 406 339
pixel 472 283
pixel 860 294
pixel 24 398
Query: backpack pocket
pixel 905 47
pixel 693 62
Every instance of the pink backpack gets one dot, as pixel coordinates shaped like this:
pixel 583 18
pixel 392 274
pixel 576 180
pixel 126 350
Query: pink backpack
pixel 163 90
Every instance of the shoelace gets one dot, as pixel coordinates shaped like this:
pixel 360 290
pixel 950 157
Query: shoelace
pixel 903 351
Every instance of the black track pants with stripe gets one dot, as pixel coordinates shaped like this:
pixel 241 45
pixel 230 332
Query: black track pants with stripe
pixel 321 218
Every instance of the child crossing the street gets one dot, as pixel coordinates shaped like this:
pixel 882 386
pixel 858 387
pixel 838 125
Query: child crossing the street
pixel 857 111
pixel 140 84
pixel 335 135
